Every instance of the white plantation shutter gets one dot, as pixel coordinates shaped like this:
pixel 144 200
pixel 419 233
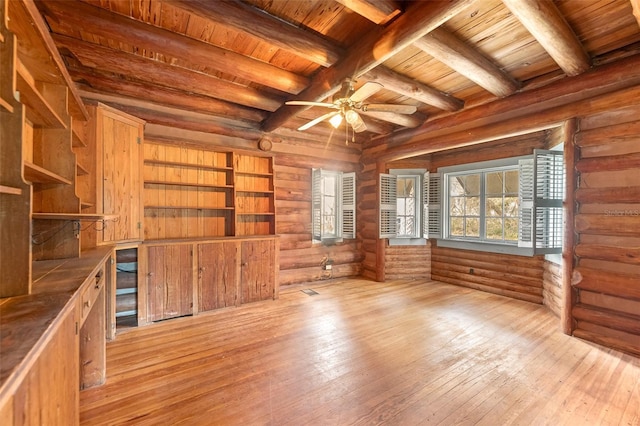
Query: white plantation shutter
pixel 432 184
pixel 349 205
pixel 316 204
pixel 525 195
pixel 541 195
pixel 387 220
pixel 549 190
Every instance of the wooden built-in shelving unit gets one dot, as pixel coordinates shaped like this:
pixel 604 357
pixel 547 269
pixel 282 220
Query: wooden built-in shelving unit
pixel 38 170
pixel 199 193
pixel 52 299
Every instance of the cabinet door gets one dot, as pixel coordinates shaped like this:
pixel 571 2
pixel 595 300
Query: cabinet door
pixel 121 143
pixel 48 392
pixel 258 270
pixel 169 281
pixel 218 275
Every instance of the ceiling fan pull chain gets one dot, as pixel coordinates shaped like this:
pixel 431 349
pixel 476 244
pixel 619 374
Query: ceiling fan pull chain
pixel 346 134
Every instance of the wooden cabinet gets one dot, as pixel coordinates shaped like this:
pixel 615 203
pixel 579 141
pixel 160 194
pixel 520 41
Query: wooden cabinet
pixel 228 272
pixel 47 392
pixel 192 192
pixel 119 169
pixel 257 271
pixel 218 275
pixel 53 340
pixel 169 281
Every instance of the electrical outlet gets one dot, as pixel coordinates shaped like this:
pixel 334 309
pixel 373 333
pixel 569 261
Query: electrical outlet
pixel 327 267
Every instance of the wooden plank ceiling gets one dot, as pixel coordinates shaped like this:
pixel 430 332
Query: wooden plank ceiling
pixel 227 67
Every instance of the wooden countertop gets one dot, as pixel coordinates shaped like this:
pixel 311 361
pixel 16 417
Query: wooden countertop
pixel 26 322
pixel 210 239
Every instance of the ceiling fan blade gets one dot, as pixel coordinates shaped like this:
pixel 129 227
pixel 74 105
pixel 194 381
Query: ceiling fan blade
pixel 318 120
pixel 366 90
pixel 397 108
pixel 310 103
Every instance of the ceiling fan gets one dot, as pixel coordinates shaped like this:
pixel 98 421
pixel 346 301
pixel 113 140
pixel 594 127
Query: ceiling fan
pixel 347 106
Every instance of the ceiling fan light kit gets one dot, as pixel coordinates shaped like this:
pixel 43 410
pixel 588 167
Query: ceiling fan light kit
pixel 349 104
pixel 336 120
pixel 354 119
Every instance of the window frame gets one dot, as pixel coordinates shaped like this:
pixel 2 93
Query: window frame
pixel 388 214
pixel 482 213
pixel 345 206
pixel 535 204
pixel 416 217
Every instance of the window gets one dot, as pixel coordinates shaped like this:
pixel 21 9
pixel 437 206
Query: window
pixel 333 205
pixel 512 205
pixel 407 206
pixel 483 205
pixel 404 216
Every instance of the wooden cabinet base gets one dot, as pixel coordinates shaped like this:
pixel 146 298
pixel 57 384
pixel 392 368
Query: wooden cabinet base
pixel 53 340
pixel 202 275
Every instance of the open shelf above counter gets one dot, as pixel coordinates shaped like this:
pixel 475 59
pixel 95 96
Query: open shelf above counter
pixel 39 111
pixel 188 208
pixel 186 164
pixel 4 189
pixel 196 184
pixel 38 174
pixel 94 217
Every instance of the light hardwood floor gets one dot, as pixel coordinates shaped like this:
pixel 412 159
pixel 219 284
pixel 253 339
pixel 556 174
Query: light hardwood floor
pixel 361 352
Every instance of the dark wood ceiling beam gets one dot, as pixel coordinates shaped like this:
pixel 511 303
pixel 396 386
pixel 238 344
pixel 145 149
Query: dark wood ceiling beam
pixel 111 83
pixel 286 36
pixel 377 11
pixel 160 73
pixel 419 19
pixel 98 21
pixel 607 78
pixel 467 61
pixel 404 120
pixel 159 114
pixel 406 86
pixel 232 123
pixel 545 22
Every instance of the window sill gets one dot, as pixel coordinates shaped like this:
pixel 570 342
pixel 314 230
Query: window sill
pixel 407 241
pixel 486 247
pixel 329 241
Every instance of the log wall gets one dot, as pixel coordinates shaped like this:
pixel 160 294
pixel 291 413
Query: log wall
pixel 368 220
pixel 408 262
pixel 607 226
pixel 518 277
pixel 552 287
